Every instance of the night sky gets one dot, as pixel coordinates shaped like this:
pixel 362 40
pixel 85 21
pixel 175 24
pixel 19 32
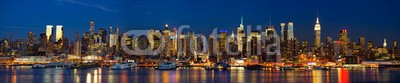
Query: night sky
pixel 374 19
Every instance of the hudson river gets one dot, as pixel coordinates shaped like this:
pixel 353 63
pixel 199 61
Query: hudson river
pixel 24 74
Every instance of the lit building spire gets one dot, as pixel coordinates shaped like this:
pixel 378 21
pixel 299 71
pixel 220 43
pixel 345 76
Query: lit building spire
pixel 384 43
pixel 233 35
pixel 241 21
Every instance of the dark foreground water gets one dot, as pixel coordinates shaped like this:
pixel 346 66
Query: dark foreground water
pixel 192 75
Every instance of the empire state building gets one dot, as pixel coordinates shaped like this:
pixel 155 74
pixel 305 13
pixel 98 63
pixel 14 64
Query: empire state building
pixel 317 34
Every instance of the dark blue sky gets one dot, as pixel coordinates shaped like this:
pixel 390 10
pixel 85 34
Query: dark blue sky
pixel 374 19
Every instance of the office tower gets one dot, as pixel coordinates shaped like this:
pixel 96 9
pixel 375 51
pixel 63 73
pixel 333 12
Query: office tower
pixel 49 32
pixel 31 39
pixel 384 43
pixel 273 46
pixel 182 45
pixel 103 35
pixel 211 44
pixel 240 34
pixel 317 34
pixel 167 41
pixel 222 40
pixel 283 27
pixel 191 45
pixel 344 41
pixel 42 40
pixel 112 38
pixel 361 41
pixel 77 45
pixel 59 32
pixel 91 27
pixel 175 41
pixel 232 43
pixel 290 31
pixel 394 44
pixel 254 43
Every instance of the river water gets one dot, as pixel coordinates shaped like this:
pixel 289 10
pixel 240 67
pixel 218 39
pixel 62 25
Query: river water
pixel 25 74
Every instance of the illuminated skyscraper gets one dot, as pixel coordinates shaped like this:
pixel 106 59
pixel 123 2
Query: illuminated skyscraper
pixel 290 31
pixel 240 35
pixel 77 45
pixel 317 34
pixel 283 27
pixel 49 31
pixel 59 32
pixel 167 41
pixel 112 40
pixel 222 40
pixel 345 41
pixel 91 28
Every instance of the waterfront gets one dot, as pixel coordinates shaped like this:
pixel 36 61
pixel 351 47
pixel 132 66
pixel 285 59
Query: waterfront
pixel 24 74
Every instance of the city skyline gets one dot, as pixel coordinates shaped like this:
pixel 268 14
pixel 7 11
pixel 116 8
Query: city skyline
pixel 107 15
pixel 212 41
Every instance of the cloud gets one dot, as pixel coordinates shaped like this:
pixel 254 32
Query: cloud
pixel 90 5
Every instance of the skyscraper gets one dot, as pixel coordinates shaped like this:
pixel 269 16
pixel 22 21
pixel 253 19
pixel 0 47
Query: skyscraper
pixel 290 31
pixel 103 35
pixel 222 40
pixel 91 28
pixel 59 32
pixel 317 34
pixel 345 41
pixel 283 26
pixel 240 35
pixel 31 39
pixel 49 31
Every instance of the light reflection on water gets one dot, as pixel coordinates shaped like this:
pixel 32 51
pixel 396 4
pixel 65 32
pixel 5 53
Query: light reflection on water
pixel 184 75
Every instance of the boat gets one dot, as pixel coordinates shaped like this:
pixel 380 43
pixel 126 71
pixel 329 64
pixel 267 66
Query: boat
pixel 83 65
pixel 217 66
pixel 124 65
pixel 166 66
pixel 322 68
pixel 253 67
pixel 286 68
pixel 39 66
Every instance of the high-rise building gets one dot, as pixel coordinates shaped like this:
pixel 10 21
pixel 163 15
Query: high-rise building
pixel 345 41
pixel 103 35
pixel 59 32
pixel 240 35
pixel 49 32
pixel 167 40
pixel 31 39
pixel 42 41
pixel 91 28
pixel 283 27
pixel 222 40
pixel 211 44
pixel 361 41
pixel 77 44
pixel 317 34
pixel 290 31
